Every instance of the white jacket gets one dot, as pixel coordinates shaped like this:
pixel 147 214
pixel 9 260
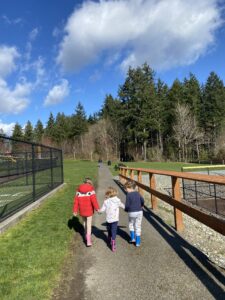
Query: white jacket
pixel 111 207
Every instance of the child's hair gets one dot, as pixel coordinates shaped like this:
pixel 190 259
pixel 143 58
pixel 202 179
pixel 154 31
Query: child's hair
pixel 111 192
pixel 130 184
pixel 88 180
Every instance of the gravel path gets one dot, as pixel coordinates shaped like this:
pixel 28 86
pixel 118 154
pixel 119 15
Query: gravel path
pixel 164 267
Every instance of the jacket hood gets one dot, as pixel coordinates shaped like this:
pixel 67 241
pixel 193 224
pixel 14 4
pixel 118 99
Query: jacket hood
pixel 85 188
pixel 114 199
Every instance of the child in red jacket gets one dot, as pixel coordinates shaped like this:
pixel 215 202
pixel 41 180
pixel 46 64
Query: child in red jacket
pixel 85 202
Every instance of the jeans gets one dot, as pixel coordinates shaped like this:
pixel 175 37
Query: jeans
pixel 112 230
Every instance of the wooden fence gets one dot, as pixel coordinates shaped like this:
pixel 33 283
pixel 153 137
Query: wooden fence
pixel 180 205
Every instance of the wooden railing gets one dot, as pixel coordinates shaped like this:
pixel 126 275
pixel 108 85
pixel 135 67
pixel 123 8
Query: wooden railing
pixel 180 205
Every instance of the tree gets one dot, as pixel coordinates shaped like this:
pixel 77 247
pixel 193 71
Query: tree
pixel 28 132
pixel 213 108
pixel 50 131
pixel 17 132
pixel 38 132
pixel 186 131
pixel 138 97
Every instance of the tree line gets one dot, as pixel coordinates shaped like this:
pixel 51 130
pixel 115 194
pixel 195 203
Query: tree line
pixel 147 120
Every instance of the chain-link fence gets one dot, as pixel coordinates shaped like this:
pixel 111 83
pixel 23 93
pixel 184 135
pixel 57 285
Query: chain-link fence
pixel 27 172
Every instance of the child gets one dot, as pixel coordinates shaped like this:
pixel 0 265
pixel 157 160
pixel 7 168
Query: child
pixel 86 202
pixel 134 205
pixel 111 207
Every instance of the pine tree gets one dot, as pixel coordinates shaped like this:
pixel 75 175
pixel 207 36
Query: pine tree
pixel 50 128
pixel 38 132
pixel 17 132
pixel 28 132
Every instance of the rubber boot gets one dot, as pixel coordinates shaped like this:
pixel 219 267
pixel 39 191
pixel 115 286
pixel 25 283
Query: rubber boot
pixel 132 237
pixel 113 245
pixel 89 243
pixel 138 241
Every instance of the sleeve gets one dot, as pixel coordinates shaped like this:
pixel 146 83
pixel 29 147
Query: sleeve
pixel 94 200
pixel 121 205
pixel 142 200
pixel 75 204
pixel 127 203
pixel 103 208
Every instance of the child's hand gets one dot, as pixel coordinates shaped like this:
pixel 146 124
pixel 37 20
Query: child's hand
pixel 75 214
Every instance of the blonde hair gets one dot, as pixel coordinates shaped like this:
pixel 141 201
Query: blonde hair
pixel 111 192
pixel 130 184
pixel 88 180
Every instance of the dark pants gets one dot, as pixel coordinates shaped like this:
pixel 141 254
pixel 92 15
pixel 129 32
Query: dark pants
pixel 112 230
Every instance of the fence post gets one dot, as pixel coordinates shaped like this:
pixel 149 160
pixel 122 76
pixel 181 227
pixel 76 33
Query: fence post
pixel 140 181
pixel 153 186
pixel 178 217
pixel 51 168
pixel 33 172
pixel 132 174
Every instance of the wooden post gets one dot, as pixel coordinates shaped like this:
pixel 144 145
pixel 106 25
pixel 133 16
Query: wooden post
pixel 132 174
pixel 140 180
pixel 153 186
pixel 120 173
pixel 178 217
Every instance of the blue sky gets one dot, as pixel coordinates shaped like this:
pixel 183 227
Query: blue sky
pixel 56 53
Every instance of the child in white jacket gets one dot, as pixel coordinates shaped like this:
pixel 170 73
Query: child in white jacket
pixel 111 207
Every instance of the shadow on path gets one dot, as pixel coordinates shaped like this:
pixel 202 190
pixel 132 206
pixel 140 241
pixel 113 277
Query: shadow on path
pixel 196 261
pixel 182 247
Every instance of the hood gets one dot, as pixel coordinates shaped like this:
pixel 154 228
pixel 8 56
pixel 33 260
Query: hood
pixel 85 188
pixel 114 199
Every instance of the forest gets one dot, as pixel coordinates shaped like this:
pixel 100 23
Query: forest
pixel 148 120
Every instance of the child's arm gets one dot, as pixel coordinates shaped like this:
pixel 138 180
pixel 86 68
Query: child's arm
pixel 127 203
pixel 142 201
pixel 94 200
pixel 121 205
pixel 103 208
pixel 75 205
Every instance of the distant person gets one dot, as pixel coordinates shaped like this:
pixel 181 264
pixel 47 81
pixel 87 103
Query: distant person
pixel 111 206
pixel 85 202
pixel 134 206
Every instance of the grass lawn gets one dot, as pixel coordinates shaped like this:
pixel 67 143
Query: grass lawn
pixel 32 252
pixel 170 166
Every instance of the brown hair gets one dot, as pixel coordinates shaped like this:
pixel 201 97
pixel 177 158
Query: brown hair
pixel 111 192
pixel 130 184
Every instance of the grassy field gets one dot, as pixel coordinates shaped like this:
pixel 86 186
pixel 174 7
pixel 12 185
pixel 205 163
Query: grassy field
pixel 170 166
pixel 32 252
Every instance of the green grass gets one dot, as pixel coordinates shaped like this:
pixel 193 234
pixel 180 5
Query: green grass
pixel 32 253
pixel 169 166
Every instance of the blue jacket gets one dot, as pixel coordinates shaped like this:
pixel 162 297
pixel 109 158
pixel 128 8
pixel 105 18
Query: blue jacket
pixel 134 202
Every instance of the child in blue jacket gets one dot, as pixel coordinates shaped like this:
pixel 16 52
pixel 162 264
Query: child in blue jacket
pixel 134 207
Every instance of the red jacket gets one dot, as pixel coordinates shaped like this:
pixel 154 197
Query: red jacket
pixel 85 200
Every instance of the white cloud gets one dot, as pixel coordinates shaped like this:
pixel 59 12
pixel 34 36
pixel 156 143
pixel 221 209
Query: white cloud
pixel 7 128
pixel 11 21
pixel 14 101
pixel 163 33
pixel 58 93
pixel 8 56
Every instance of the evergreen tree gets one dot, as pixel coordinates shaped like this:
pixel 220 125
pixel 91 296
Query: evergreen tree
pixel 38 132
pixel 61 127
pixel 138 97
pixel 79 123
pixel 213 106
pixel 17 132
pixel 28 132
pixel 192 95
pixel 50 128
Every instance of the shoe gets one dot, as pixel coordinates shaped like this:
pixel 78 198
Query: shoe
pixel 138 241
pixel 132 237
pixel 89 243
pixel 113 245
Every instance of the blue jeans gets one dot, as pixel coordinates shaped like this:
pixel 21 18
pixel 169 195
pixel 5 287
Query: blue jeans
pixel 112 230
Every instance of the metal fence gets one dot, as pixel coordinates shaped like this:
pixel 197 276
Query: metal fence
pixel 27 172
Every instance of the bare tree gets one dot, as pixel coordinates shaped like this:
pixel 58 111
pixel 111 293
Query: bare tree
pixel 186 131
